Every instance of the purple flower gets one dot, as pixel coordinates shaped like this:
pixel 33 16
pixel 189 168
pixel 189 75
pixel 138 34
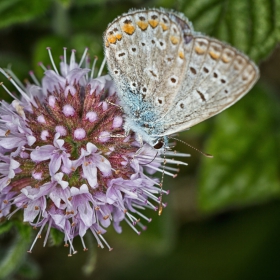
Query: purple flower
pixel 65 161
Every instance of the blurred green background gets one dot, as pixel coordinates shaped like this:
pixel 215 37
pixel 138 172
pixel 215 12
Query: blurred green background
pixel 223 214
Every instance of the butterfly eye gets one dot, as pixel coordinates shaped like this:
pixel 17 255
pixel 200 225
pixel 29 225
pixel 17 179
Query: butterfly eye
pixel 159 144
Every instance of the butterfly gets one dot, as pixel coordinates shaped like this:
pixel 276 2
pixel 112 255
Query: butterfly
pixel 170 77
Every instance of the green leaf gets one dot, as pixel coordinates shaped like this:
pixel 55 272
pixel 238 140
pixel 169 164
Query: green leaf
pixel 25 230
pixel 251 26
pixel 29 270
pixel 65 3
pixel 18 11
pixel 91 261
pixel 56 237
pixel 5 227
pixel 16 253
pixel 82 3
pixel 245 143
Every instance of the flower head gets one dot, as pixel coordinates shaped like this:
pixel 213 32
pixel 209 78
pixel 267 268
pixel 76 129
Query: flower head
pixel 65 160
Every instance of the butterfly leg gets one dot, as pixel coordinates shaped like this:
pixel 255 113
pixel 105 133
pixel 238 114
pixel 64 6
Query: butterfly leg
pixel 111 103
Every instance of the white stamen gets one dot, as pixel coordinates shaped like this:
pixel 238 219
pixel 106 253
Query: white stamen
pixel 52 61
pixel 83 243
pixel 103 239
pixel 34 79
pixel 101 67
pixel 51 58
pixel 65 61
pixel 93 67
pixel 37 236
pixel 42 66
pixel 175 154
pixel 72 60
pixel 132 226
pixel 132 218
pixel 70 242
pixel 97 238
pixel 153 197
pixel 3 86
pixel 11 73
pixel 83 57
pixel 24 95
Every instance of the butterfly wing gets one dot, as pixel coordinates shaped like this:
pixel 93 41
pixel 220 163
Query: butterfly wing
pixel 169 77
pixel 145 57
pixel 216 77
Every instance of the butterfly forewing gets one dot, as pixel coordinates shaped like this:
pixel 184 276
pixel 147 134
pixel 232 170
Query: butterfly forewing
pixel 146 57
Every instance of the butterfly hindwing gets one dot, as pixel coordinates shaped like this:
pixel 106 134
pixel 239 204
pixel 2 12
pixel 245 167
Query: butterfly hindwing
pixel 222 79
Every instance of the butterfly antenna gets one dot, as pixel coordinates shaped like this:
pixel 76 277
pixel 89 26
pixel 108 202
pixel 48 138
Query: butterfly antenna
pixel 205 154
pixel 161 181
pixel 151 160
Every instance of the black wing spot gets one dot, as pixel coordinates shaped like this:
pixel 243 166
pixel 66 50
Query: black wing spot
pixel 201 95
pixel 127 21
pixel 193 70
pixel 206 70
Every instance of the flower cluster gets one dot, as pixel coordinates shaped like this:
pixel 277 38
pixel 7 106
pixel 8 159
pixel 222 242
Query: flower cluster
pixel 65 160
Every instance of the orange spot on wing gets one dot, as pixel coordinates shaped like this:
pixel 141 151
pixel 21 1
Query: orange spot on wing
pixel 214 55
pixel 128 28
pixel 153 23
pixel 181 55
pixel 163 26
pixel 119 36
pixel 199 50
pixel 174 40
pixel 225 59
pixel 112 39
pixel 143 25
